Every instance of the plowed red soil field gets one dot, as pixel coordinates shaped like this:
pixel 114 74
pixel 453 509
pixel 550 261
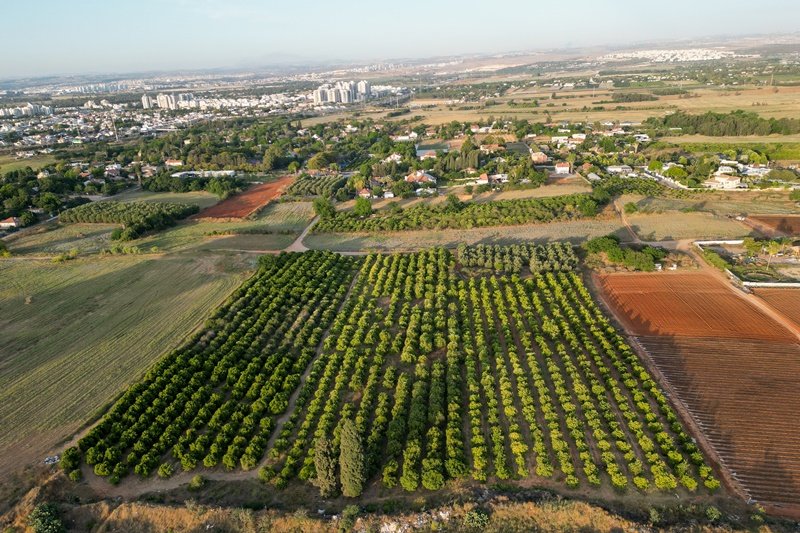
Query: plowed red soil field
pixel 785 224
pixel 787 301
pixel 691 304
pixel 730 366
pixel 245 203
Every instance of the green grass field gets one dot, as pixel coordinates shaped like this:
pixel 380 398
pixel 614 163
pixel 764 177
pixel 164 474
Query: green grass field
pixel 719 203
pixel 201 199
pixel 9 162
pixel 53 239
pixel 76 333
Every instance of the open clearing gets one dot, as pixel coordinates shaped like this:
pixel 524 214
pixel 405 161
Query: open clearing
pixel 677 226
pixel 246 202
pixel 787 301
pixel 76 333
pixel 718 203
pixel 788 225
pixel 55 238
pixel 733 369
pixel 9 162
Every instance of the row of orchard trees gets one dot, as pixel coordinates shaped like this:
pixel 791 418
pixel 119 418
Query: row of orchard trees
pixel 324 186
pixel 467 215
pixel 136 217
pixel 551 257
pixel 215 400
pixel 446 377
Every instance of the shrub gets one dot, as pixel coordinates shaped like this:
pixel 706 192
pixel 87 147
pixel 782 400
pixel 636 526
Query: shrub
pixel 76 475
pixel 476 519
pixel 165 470
pixel 713 514
pixel 197 482
pixel 45 519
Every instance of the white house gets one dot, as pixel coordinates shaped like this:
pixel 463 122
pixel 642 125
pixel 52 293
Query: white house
pixel 723 181
pixel 619 169
pixel 562 168
pixel 394 158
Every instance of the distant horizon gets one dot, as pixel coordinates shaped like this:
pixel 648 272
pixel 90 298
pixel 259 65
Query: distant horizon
pixel 95 38
pixel 331 63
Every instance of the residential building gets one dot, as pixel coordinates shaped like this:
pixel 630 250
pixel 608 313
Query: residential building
pixel 10 222
pixel 722 181
pixel 420 176
pixel 539 158
pixel 562 167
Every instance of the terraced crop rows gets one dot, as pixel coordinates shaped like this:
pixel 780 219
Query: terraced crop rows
pixel 445 374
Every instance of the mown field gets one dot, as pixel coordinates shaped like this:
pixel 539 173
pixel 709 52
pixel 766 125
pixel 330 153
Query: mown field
pixel 435 371
pixel 718 203
pixel 10 162
pixel 76 333
pixel 679 225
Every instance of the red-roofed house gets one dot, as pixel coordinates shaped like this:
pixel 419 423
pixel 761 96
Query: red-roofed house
pixel 10 222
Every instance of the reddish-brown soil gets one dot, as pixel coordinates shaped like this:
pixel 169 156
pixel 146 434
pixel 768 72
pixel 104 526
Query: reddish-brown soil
pixel 786 301
pixel 778 224
pixel 733 368
pixel 245 203
pixel 686 304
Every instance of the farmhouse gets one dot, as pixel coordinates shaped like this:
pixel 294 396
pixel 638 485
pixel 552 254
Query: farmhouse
pixel 420 176
pixel 365 193
pixel 562 168
pixel 10 222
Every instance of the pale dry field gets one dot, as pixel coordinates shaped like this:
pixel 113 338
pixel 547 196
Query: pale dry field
pixel 677 225
pixel 75 334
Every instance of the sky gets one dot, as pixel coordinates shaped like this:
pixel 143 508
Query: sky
pixel 57 37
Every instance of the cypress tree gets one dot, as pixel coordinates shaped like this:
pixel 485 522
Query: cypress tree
pixel 325 464
pixel 352 465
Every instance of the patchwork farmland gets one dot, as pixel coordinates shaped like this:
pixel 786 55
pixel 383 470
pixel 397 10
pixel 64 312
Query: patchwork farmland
pixel 731 366
pixel 445 371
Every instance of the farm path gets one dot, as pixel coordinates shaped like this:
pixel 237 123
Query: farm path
pixel 297 245
pixel 621 211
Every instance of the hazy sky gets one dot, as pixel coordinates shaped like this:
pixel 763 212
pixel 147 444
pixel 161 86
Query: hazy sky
pixel 43 37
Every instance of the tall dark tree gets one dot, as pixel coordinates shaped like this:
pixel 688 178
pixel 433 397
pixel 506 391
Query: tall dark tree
pixel 325 465
pixel 352 463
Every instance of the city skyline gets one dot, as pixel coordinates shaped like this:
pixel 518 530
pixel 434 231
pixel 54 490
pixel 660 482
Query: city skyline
pixel 98 37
